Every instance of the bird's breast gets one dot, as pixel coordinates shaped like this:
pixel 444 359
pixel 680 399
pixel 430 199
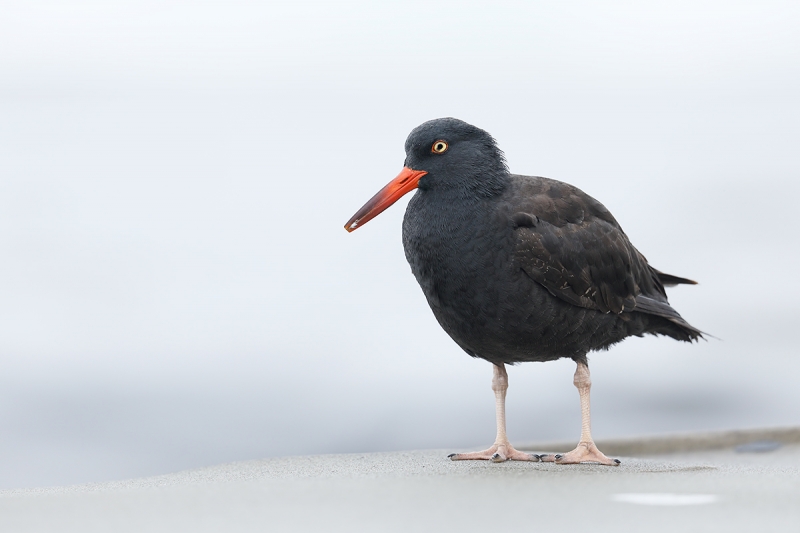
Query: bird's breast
pixel 461 255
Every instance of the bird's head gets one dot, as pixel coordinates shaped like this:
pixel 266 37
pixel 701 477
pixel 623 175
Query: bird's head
pixel 444 154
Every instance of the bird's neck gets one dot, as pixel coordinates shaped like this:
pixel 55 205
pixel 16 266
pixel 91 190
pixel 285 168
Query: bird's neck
pixel 491 186
pixel 445 216
pixel 467 189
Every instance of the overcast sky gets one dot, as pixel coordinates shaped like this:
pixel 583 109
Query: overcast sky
pixel 178 290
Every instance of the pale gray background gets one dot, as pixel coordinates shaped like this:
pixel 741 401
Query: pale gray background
pixel 176 288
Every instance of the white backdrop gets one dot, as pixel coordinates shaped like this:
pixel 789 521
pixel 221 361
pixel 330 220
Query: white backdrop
pixel 176 287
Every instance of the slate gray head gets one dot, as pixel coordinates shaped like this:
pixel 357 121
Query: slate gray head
pixel 444 154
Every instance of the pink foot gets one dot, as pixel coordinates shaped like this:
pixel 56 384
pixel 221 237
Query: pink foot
pixel 498 453
pixel 585 452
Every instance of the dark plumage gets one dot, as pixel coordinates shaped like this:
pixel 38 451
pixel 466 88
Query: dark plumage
pixel 519 268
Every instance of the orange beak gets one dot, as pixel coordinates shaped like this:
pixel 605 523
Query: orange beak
pixel 405 182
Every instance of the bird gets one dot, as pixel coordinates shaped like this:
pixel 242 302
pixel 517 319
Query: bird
pixel 520 268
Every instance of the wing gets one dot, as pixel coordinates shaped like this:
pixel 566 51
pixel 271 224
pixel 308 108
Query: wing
pixel 568 242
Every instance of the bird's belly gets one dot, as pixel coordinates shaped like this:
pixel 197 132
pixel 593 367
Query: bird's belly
pixel 496 316
pixel 507 317
pixel 490 323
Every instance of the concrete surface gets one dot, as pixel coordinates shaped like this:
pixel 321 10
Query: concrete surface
pixel 756 488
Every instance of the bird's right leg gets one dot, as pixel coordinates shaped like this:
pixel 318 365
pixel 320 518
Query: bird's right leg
pixel 501 450
pixel 586 451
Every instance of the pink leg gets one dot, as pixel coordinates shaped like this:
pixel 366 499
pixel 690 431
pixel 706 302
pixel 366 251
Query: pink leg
pixel 586 451
pixel 501 450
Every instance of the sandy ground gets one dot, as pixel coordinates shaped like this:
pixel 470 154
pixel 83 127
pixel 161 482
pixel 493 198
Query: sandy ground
pixel 752 488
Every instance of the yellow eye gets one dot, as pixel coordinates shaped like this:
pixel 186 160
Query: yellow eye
pixel 439 147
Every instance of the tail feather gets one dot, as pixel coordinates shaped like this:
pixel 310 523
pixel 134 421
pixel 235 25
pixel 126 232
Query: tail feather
pixel 668 280
pixel 677 327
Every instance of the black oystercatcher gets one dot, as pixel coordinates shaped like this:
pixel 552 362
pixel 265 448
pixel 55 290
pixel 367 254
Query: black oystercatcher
pixel 519 268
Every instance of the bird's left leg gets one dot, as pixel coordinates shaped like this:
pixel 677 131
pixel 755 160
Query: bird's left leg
pixel 586 451
pixel 501 450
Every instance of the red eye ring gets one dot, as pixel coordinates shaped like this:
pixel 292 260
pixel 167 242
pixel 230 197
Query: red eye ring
pixel 439 147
